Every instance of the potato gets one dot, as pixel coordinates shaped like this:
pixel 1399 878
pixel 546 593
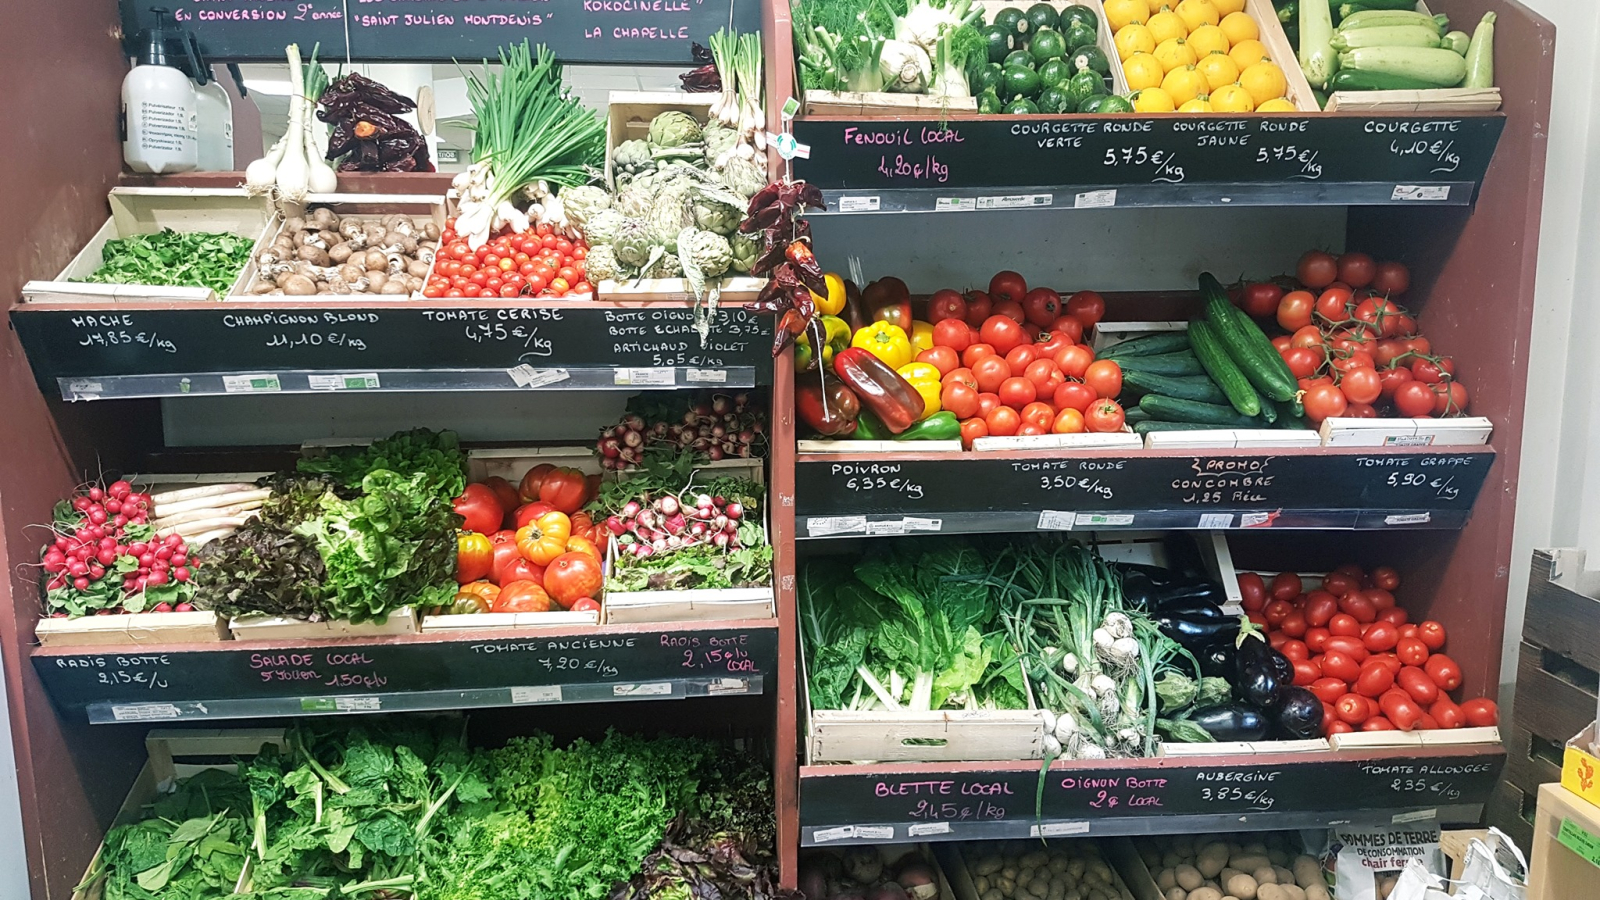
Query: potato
pixel 1035 859
pixel 1227 873
pixel 1167 879
pixel 1009 871
pixel 1293 892
pixel 1318 892
pixel 1189 877
pixel 987 865
pixel 1205 893
pixel 1172 860
pixel 1213 858
pixel 1284 875
pixel 1249 862
pixel 981 883
pixel 1007 886
pixel 1039 886
pixel 1277 856
pixel 1242 886
pixel 1307 872
pixel 992 894
pixel 1058 864
pixel 1270 892
pixel 1265 875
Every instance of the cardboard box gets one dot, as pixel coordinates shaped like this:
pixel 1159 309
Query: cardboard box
pixel 1580 768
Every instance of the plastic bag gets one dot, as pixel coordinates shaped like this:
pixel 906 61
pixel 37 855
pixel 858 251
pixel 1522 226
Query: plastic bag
pixel 1367 863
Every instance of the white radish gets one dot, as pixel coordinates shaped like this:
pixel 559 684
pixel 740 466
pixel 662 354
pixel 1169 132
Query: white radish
pixel 208 490
pixel 189 529
pixel 200 515
pixel 200 540
pixel 163 510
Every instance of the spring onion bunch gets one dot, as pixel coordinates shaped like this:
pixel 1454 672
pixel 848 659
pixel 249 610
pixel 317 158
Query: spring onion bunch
pixel 738 60
pixel 294 167
pixel 532 135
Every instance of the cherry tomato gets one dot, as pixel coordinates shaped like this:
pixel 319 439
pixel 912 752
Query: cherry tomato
pixel 1317 269
pixel 1341 666
pixel 1444 671
pixel 1074 395
pixel 1344 625
pixel 1328 690
pixel 1317 639
pixel 1380 637
pixel 1277 611
pixel 1431 633
pixel 1294 310
pixel 1373 679
pixel 1416 682
pixel 1003 421
pixel 1252 591
pixel 1104 417
pixel 1352 709
pixel 1411 651
pixel 1015 392
pixel 1356 605
pixel 1286 586
pixel 1400 709
pixel 1087 307
pixel 1481 712
pixel 1105 377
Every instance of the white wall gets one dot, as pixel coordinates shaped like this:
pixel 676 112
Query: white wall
pixel 1561 446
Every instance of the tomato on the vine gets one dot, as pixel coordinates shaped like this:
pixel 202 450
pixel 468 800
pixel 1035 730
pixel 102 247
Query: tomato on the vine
pixel 1294 310
pixel 1303 362
pixel 1261 299
pixel 1356 269
pixel 1361 385
pixel 1333 305
pixel 1325 401
pixel 1414 399
pixel 1317 269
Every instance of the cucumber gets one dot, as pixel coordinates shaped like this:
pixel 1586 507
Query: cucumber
pixel 1244 340
pixel 1221 367
pixel 1292 409
pixel 1435 65
pixel 1148 345
pixel 1351 80
pixel 1459 41
pixel 1174 409
pixel 1185 363
pixel 1133 415
pixel 1480 55
pixel 1269 412
pixel 1379 17
pixel 1316 55
pixel 1386 36
pixel 1199 387
pixel 1150 425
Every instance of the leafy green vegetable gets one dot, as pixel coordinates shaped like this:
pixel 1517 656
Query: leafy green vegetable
pixel 701 566
pixel 264 566
pixel 163 859
pixel 435 454
pixel 174 258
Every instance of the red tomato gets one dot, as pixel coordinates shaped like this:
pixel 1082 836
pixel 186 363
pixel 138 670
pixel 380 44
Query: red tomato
pixel 1022 356
pixel 1087 307
pixel 1377 723
pixel 505 554
pixel 1045 375
pixel 1252 591
pixel 521 569
pixel 960 399
pixel 971 430
pixel 1416 682
pixel 1444 671
pixel 1007 285
pixel 1105 376
pixel 1010 309
pixel 1105 416
pixel 962 375
pixel 1068 421
pixel 503 492
pixel 1286 586
pixel 1356 605
pixel 975 352
pixel 1352 709
pixel 1341 666
pixel 942 358
pixel 1052 342
pixel 1074 395
pixel 1295 649
pixel 527 512
pixel 1394 615
pixel 1344 624
pixel 988 402
pixel 1329 719
pixel 1303 362
pixel 1380 636
pixel 1414 399
pixel 480 507
pixel 1447 713
pixel 1350 646
pixel 1411 651
pixel 1071 326
pixel 947 304
pixel 1001 333
pixel 1481 712
pixel 1380 598
pixel 1317 269
pixel 1374 679
pixel 1041 306
pixel 1277 611
pixel 566 489
pixel 1340 583
pixel 1392 279
pixel 953 333
pixel 1261 298
pixel 1306 672
pixel 521 596
pixel 1324 401
pixel 1032 428
pixel 572 576
pixel 1294 624
pixel 1294 310
pixel 1320 608
pixel 991 372
pixel 532 481
pixel 1075 361
pixel 980 306
pixel 1339 728
pixel 1449 399
pixel 1356 269
pixel 1003 421
pixel 1333 304
pixel 1281 344
pixel 1400 709
pixel 1431 633
pixel 1017 392
pixel 1328 689
pixel 1042 415
pixel 1361 385
pixel 1277 639
pixel 1317 639
pixel 1385 577
pixel 474 557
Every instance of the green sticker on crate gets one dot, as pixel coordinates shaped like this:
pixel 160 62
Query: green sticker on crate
pixel 318 704
pixel 1578 839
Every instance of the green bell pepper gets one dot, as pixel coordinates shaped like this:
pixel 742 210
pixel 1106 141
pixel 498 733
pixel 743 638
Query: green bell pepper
pixel 871 428
pixel 941 426
pixel 836 338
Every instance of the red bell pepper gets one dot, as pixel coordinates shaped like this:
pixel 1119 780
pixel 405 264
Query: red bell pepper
pixel 880 388
pixel 830 407
pixel 889 300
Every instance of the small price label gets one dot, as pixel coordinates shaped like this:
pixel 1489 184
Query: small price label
pixel 645 377
pixel 925 828
pixel 1016 201
pixel 542 694
pixel 357 704
pixel 1422 192
pixel 1058 829
pixel 527 376
pixel 1052 520
pixel 363 381
pixel 707 376
pixel 858 204
pixel 654 689
pixel 897 526
pixel 1095 200
pixel 1214 521
pixel 822 526
pixel 85 390
pixel 955 204
pixel 144 712
pixel 251 384
pixel 1254 519
pixel 1580 841
pixel 1104 520
pixel 1409 519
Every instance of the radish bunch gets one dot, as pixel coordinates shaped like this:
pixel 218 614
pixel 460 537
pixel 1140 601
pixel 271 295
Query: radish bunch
pixel 665 523
pixel 713 427
pixel 104 556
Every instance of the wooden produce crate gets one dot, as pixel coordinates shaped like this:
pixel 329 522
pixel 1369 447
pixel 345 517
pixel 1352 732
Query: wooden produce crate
pixel 132 629
pixel 959 864
pixel 628 118
pixel 173 755
pixel 885 105
pixel 1566 825
pixel 452 201
pixel 1106 40
pixel 1129 856
pixel 277 628
pixel 1464 431
pixel 1282 53
pixel 420 207
pixel 897 854
pixel 137 210
pixel 1438 101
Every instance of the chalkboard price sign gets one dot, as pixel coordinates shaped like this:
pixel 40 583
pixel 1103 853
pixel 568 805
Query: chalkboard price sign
pixel 86 344
pixel 511 668
pixel 964 491
pixel 1113 798
pixel 636 32
pixel 1128 151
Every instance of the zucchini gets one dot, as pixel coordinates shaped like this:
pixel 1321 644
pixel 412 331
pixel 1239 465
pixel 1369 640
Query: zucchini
pixel 1150 425
pixel 1386 36
pixel 1174 409
pixel 1221 367
pixel 1199 387
pixel 1435 65
pixel 1316 54
pixel 1148 345
pixel 1459 41
pixel 1351 80
pixel 1247 343
pixel 1480 55
pixel 1185 363
pixel 1380 17
pixel 1351 7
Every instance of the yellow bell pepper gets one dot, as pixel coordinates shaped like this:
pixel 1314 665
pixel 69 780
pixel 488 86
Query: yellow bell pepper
pixel 833 304
pixel 921 336
pixel 887 342
pixel 925 378
pixel 836 337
